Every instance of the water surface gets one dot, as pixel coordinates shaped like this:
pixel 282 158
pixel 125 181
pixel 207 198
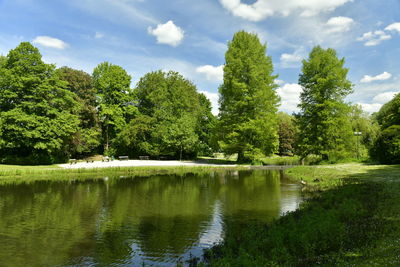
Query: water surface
pixel 157 220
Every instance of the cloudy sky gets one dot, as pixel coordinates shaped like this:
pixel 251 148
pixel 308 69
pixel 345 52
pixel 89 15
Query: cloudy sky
pixel 190 36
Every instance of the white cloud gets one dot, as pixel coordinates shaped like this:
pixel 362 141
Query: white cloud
pixel 279 82
pixel 374 38
pixel 339 24
pixel 213 97
pixel 215 74
pixel 292 60
pixel 99 35
pixel 290 97
pixel 393 27
pixel 381 77
pixel 50 42
pixel 370 108
pixel 384 97
pixel 262 9
pixel 167 33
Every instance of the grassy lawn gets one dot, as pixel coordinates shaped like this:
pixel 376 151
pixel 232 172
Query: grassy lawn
pixel 351 219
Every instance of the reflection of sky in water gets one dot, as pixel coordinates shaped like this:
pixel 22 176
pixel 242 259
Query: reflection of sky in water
pixel 213 234
pixel 292 198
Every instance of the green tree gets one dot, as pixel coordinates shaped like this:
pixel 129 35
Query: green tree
pixel 38 115
pixel 205 127
pixel 386 148
pixel 369 128
pixel 88 138
pixel 287 132
pixel 248 101
pixel 112 84
pixel 324 117
pixel 389 114
pixel 170 111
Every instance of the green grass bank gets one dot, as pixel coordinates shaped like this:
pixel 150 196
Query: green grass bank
pixel 351 218
pixel 26 174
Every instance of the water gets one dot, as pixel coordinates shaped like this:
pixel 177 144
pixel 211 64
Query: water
pixel 157 220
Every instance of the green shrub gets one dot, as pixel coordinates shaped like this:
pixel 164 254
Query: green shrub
pixel 386 148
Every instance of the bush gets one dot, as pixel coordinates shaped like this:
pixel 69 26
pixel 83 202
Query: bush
pixel 386 148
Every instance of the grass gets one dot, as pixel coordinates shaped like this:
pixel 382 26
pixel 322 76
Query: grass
pixel 25 174
pixel 352 219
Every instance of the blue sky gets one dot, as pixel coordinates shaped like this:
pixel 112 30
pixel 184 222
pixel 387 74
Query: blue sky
pixel 191 36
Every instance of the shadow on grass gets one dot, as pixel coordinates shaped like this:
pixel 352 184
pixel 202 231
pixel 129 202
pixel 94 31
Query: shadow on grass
pixel 356 223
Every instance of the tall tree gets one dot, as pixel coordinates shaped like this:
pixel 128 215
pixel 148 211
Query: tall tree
pixel 37 114
pixel 112 84
pixel 287 132
pixel 87 139
pixel 324 116
pixel 248 101
pixel 170 112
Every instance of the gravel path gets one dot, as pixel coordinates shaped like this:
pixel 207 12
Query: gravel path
pixel 136 163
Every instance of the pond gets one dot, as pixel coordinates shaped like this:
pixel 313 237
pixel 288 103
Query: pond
pixel 128 221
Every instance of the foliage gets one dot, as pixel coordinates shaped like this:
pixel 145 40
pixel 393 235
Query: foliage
pixel 387 146
pixel 287 131
pixel 205 127
pixel 112 84
pixel 362 122
pixel 351 225
pixel 248 101
pixel 87 139
pixel 175 120
pixel 324 117
pixel 37 115
pixel 389 114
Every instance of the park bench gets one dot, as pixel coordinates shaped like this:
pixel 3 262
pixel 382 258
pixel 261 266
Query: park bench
pixel 144 157
pixel 106 159
pixel 123 157
pixel 73 161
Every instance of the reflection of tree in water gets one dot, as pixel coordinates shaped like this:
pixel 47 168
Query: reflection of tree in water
pixel 104 222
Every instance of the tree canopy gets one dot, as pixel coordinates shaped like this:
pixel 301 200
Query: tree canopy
pixel 323 119
pixel 38 115
pixel 248 101
pixel 173 117
pixel 116 103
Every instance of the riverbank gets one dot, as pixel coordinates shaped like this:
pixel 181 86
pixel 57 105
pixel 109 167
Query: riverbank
pixel 352 218
pixel 83 170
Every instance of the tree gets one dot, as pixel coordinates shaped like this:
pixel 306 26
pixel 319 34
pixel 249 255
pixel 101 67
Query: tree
pixel 389 114
pixel 112 84
pixel 38 115
pixel 87 139
pixel 324 116
pixel 170 111
pixel 386 148
pixel 287 131
pixel 205 127
pixel 369 128
pixel 248 101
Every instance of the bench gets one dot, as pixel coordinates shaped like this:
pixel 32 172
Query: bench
pixel 123 157
pixel 89 161
pixel 73 161
pixel 106 158
pixel 144 157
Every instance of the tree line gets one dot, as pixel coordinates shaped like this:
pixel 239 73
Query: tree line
pixel 49 115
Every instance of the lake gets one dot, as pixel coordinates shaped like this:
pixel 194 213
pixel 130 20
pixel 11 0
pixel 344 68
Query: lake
pixel 128 221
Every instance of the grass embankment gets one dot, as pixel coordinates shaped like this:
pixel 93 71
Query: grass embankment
pixel 22 174
pixel 353 219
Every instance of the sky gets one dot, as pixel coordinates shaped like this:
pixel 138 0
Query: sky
pixel 191 37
